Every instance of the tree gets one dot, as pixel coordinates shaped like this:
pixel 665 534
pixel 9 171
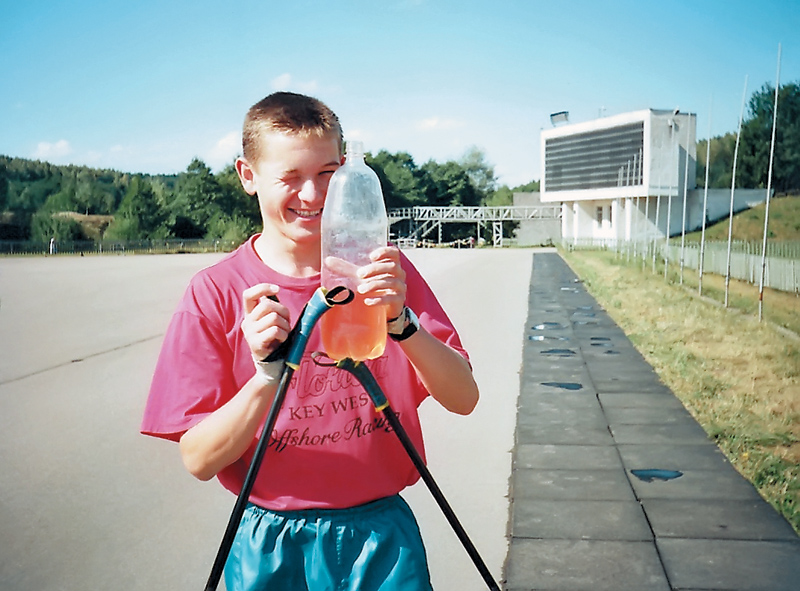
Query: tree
pixel 63 200
pixel 3 186
pixel 502 196
pixel 480 172
pixel 719 175
pixel 236 203
pixel 448 185
pixel 531 187
pixel 196 200
pixel 47 224
pixel 757 134
pixel 28 197
pixel 505 196
pixel 399 177
pixel 91 197
pixel 231 230
pixel 139 215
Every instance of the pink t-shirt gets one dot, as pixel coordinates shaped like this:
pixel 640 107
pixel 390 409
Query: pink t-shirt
pixel 329 448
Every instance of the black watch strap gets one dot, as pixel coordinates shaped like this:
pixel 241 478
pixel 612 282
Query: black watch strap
pixel 411 326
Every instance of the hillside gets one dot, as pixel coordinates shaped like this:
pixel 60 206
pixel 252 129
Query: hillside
pixel 784 222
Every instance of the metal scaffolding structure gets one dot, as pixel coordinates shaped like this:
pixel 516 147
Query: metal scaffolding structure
pixel 423 220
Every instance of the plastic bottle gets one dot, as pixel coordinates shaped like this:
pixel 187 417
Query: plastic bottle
pixel 354 223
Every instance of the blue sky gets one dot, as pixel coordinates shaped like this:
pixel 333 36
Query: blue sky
pixel 145 86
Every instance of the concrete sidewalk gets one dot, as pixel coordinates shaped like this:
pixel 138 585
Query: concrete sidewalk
pixel 615 486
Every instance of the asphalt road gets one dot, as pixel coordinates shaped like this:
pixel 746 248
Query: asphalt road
pixel 88 503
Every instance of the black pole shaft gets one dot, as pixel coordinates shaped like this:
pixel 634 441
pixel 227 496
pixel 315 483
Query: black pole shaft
pixel 373 389
pixel 439 497
pixel 249 481
pixel 292 353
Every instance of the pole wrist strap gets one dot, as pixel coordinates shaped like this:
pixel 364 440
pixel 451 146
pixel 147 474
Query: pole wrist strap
pixel 269 372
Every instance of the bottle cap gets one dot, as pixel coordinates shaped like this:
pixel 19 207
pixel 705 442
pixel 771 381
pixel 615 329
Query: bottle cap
pixel 354 148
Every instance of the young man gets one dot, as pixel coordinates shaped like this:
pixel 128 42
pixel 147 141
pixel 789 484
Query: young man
pixel 325 511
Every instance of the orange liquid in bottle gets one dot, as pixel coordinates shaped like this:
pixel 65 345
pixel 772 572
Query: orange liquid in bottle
pixel 354 330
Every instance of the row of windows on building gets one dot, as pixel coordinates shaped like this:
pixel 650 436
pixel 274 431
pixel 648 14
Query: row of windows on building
pixel 597 159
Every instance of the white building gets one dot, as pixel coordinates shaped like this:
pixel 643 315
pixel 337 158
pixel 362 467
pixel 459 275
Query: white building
pixel 630 176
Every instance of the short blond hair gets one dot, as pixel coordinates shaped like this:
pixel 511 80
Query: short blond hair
pixel 287 112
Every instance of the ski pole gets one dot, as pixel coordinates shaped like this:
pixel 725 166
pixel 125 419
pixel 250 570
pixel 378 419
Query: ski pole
pixel 292 351
pixel 367 380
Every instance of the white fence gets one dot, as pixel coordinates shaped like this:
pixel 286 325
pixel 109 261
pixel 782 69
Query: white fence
pixel 781 270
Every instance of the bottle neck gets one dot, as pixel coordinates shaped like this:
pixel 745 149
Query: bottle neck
pixel 354 152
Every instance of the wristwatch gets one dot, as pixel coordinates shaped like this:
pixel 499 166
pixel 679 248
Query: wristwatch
pixel 407 323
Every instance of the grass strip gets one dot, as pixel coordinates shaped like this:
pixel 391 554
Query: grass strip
pixel 739 378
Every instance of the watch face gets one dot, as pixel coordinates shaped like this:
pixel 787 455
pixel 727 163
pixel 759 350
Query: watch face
pixel 412 318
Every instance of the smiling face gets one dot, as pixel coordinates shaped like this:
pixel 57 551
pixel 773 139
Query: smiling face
pixel 291 179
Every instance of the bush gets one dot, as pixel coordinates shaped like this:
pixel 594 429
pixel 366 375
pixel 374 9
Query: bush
pixel 46 225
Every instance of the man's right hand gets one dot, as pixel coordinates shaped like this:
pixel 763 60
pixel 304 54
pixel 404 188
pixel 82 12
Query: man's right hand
pixel 266 323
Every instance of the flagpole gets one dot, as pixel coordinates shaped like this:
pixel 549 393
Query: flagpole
pixel 669 193
pixel 645 237
pixel 705 202
pixel 733 185
pixel 769 188
pixel 685 190
pixel 658 207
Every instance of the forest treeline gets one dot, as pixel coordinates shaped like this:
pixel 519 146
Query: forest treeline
pixel 39 200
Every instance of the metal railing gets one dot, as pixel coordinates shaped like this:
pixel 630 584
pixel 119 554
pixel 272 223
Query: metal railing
pixel 486 213
pixel 17 247
pixel 425 219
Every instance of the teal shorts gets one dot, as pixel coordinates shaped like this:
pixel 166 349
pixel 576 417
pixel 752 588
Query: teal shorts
pixel 372 547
